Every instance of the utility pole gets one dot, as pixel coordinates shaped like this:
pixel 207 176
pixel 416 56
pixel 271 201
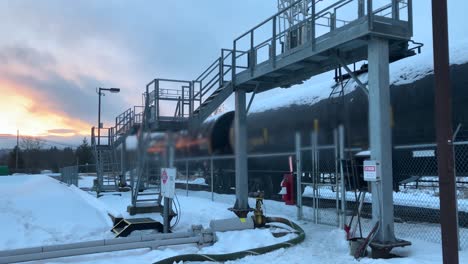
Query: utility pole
pixel 443 121
pixel 17 148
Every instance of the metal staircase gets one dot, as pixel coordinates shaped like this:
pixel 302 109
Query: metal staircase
pixel 107 166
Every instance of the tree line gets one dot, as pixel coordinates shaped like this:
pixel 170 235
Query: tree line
pixel 34 157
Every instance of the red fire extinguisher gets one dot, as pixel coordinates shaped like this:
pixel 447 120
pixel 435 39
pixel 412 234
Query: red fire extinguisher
pixel 287 185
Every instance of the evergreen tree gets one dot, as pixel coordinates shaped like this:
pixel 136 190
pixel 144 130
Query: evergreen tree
pixel 84 153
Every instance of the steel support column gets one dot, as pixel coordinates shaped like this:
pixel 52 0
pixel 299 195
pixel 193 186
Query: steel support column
pixel 123 150
pixel 444 133
pixel 380 138
pixel 167 210
pixel 241 207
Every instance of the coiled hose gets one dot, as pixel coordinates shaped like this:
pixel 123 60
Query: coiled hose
pixel 244 253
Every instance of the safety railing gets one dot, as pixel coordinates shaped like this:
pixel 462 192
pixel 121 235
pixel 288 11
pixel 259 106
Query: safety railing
pixel 124 121
pixel 217 74
pixel 164 97
pixel 290 29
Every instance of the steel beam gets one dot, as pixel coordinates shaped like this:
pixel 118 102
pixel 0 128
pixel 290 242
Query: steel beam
pixel 241 207
pixel 380 138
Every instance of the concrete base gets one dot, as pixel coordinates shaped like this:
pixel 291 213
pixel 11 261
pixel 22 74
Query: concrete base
pixel 241 213
pixel 144 209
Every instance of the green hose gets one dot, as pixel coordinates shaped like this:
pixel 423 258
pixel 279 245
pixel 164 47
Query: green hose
pixel 244 253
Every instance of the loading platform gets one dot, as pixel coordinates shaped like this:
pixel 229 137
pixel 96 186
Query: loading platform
pixel 303 39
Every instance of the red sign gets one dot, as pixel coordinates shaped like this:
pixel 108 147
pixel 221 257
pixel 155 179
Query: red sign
pixel 164 176
pixel 369 168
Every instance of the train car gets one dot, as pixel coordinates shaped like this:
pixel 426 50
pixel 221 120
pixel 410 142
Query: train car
pixel 272 131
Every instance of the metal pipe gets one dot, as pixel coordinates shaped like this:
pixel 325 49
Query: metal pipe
pixel 443 116
pixel 94 247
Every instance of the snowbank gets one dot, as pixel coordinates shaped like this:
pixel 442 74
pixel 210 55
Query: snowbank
pixel 38 210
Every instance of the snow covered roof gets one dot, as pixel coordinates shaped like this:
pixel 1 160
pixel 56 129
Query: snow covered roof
pixel 319 87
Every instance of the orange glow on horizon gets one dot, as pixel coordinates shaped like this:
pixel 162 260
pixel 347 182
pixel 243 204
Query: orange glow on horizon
pixel 22 110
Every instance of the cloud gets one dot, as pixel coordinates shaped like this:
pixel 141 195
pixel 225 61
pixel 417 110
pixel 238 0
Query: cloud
pixel 62 131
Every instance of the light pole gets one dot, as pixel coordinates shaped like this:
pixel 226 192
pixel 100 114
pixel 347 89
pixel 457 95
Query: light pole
pixel 112 90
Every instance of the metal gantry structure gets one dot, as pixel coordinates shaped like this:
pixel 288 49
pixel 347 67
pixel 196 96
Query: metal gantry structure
pixel 304 38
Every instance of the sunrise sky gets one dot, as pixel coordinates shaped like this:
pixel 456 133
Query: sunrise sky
pixel 54 53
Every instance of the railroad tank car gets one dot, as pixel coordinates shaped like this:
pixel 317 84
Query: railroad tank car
pixel 272 131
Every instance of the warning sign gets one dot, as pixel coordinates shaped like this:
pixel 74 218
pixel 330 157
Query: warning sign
pixel 168 176
pixel 371 170
pixel 164 176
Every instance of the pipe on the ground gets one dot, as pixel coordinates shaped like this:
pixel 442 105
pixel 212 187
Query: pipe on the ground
pixel 107 245
pixel 244 253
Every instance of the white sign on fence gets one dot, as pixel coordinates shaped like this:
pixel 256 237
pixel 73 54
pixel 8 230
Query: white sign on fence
pixel 371 170
pixel 168 176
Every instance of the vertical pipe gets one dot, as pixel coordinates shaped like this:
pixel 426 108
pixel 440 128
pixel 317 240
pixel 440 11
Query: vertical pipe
pixel 299 175
pixel 443 116
pixel 240 132
pixel 380 138
pixel 342 176
pixel 212 178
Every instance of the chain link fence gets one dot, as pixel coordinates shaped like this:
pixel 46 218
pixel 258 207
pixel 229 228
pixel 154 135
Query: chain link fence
pixel 416 196
pixel 74 175
pixel 69 175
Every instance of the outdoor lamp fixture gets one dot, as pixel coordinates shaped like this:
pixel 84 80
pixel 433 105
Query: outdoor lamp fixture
pixel 100 92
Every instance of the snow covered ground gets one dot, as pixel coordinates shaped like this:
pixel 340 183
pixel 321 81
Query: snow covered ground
pixel 39 210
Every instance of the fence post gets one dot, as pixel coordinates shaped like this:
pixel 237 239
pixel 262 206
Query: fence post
pixel 299 175
pixel 454 137
pixel 342 177
pixel 187 176
pixel 337 169
pixel 212 179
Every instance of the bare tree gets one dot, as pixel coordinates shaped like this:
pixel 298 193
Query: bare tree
pixel 31 143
